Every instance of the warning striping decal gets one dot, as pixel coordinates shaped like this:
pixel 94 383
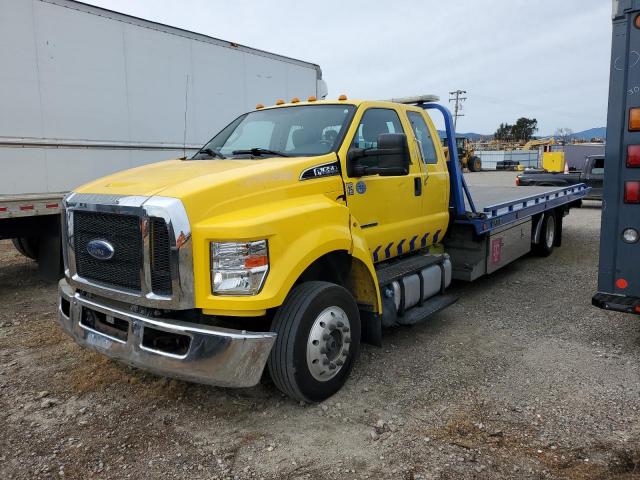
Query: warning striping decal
pixel 424 241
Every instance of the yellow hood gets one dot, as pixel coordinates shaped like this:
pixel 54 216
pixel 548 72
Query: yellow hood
pixel 219 186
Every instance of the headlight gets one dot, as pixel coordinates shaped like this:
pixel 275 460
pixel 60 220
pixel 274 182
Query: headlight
pixel 238 268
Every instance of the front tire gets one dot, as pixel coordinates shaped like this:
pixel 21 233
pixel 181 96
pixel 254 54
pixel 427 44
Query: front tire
pixel 318 341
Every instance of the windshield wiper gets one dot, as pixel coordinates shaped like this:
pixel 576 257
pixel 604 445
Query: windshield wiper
pixel 257 152
pixel 211 152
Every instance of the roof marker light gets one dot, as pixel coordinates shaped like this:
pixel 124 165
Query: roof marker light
pixel 279 102
pixel 312 98
pixel 342 97
pixel 259 106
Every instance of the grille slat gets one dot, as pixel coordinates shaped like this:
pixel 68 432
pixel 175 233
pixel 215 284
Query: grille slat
pixel 160 257
pixel 121 231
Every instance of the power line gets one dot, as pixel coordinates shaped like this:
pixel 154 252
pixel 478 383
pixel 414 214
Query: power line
pixel 457 96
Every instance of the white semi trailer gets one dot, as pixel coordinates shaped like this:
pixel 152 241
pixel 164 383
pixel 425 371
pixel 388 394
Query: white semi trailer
pixel 86 91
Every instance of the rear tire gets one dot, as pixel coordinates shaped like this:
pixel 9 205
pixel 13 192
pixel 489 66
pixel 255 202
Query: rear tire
pixel 318 341
pixel 27 246
pixel 547 240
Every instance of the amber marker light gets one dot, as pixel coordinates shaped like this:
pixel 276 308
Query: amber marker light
pixel 311 99
pixel 342 97
pixel 634 119
pixel 279 102
pixel 259 106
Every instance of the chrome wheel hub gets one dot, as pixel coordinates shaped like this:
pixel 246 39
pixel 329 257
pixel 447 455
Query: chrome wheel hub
pixel 328 343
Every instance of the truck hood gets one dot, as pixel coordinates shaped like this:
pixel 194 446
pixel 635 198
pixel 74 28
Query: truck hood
pixel 222 184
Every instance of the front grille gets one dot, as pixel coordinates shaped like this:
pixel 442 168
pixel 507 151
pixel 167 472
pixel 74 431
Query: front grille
pixel 123 233
pixel 160 257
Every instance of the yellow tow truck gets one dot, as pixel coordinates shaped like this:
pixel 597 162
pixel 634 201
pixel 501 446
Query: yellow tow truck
pixel 293 234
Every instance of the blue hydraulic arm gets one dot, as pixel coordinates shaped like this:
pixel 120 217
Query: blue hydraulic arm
pixel 458 186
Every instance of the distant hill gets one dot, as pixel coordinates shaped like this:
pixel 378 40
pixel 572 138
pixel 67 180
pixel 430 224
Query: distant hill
pixel 471 136
pixel 600 132
pixel 585 135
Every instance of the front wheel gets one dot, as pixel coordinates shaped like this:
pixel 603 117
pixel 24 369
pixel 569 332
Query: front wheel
pixel 318 341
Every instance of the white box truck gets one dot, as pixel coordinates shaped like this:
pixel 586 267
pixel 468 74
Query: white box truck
pixel 86 91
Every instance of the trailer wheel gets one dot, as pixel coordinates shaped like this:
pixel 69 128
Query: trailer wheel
pixel 547 240
pixel 27 246
pixel 475 164
pixel 318 341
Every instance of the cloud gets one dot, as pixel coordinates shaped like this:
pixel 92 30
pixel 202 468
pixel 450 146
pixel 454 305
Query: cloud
pixel 546 59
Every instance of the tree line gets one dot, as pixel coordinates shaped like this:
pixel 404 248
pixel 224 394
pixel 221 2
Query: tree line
pixel 521 131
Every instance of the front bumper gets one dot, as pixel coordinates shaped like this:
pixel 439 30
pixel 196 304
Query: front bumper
pixel 174 348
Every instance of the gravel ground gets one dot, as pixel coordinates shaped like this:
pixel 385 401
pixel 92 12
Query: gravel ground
pixel 522 378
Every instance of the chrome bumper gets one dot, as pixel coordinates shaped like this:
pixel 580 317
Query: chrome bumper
pixel 210 355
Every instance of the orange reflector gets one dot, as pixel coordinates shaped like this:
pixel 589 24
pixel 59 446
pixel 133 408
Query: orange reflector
pixel 631 192
pixel 342 97
pixel 259 106
pixel 633 156
pixel 634 119
pixel 279 102
pixel 295 100
pixel 621 283
pixel 311 99
pixel 256 261
pixel 637 22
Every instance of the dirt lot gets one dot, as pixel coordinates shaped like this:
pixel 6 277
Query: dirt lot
pixel 521 378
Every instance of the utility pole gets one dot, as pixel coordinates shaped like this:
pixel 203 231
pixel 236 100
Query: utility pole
pixel 457 96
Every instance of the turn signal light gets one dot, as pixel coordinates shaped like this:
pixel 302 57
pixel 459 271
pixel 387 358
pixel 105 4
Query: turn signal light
pixel 631 192
pixel 634 120
pixel 633 156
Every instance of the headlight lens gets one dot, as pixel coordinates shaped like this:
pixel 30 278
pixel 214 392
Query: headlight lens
pixel 238 268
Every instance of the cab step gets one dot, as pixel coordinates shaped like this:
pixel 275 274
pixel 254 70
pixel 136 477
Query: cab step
pixel 428 308
pixel 390 272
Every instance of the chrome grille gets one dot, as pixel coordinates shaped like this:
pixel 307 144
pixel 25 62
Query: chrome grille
pixel 121 231
pixel 160 257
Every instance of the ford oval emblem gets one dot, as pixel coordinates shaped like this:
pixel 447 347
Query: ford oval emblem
pixel 100 249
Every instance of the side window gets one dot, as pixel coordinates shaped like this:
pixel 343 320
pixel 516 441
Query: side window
pixel 423 135
pixel 374 122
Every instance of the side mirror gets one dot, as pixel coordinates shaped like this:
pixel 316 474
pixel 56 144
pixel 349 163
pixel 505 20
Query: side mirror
pixel 391 158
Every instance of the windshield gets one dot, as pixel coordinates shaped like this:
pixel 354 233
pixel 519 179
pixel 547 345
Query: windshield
pixel 305 130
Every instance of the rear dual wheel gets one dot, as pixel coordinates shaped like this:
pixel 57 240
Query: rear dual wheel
pixel 318 341
pixel 547 239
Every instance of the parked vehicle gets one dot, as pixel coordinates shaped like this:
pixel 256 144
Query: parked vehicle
pixel 78 103
pixel 296 232
pixel 619 272
pixel 592 175
pixel 466 153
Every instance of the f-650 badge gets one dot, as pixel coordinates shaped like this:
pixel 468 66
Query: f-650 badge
pixel 324 170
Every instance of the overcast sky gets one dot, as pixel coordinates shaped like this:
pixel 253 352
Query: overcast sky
pixel 547 59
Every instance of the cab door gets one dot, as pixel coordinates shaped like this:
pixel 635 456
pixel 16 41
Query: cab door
pixel 435 197
pixel 388 209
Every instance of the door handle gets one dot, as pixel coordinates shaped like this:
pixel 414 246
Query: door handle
pixel 417 185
